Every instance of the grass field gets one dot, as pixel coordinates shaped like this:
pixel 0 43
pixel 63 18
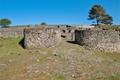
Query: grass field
pixel 67 61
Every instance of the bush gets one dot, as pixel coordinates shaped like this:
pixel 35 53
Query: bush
pixel 44 23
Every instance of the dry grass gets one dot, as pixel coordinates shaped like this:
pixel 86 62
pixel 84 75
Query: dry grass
pixel 67 61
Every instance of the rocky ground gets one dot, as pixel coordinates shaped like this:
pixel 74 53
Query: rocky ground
pixel 67 61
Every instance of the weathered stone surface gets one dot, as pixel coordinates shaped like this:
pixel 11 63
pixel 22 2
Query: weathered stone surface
pixel 41 37
pixel 68 32
pixel 104 40
pixel 11 32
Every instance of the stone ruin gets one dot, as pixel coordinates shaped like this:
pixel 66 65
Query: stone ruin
pixel 38 37
pixel 41 37
pixel 68 31
pixel 11 32
pixel 103 40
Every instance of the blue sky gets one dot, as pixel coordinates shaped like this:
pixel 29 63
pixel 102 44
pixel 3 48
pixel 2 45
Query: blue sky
pixel 55 11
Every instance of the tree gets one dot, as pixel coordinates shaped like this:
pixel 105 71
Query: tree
pixel 98 13
pixel 5 22
pixel 106 19
pixel 43 23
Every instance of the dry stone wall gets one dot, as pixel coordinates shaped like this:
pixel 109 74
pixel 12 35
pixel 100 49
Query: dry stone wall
pixel 104 40
pixel 41 37
pixel 68 33
pixel 11 32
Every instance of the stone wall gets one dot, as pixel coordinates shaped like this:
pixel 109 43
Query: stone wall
pixel 11 32
pixel 104 40
pixel 68 33
pixel 41 37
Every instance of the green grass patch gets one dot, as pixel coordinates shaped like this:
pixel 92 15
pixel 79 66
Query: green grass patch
pixel 110 77
pixel 59 77
pixel 113 77
pixel 112 55
pixel 10 46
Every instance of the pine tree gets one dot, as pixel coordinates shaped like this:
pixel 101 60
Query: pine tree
pixel 98 13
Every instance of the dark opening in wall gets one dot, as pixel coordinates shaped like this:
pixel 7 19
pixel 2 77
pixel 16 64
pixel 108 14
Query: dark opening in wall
pixel 63 36
pixel 69 31
pixel 63 31
pixel 73 42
